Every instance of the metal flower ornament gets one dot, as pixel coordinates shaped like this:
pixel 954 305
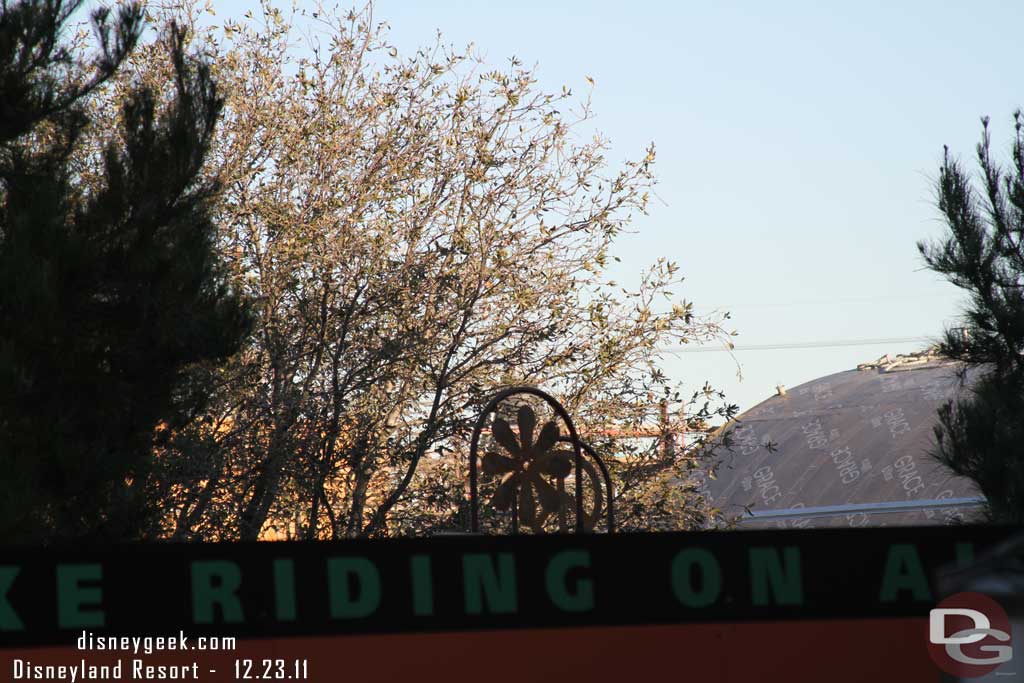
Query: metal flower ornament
pixel 527 468
pixel 533 469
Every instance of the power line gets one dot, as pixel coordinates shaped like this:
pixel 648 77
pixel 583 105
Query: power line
pixel 824 302
pixel 835 343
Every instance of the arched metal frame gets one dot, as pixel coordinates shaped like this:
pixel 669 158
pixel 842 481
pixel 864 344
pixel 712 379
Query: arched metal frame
pixel 610 513
pixel 474 503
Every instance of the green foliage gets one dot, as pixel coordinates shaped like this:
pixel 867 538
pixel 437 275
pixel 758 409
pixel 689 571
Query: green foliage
pixel 982 436
pixel 112 300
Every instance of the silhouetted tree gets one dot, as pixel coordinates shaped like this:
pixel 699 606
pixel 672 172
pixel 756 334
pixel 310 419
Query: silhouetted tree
pixel 981 436
pixel 113 303
pixel 419 230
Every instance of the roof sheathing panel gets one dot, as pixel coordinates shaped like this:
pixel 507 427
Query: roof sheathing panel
pixel 860 436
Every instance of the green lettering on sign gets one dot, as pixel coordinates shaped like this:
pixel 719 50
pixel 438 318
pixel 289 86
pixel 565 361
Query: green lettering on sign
pixel 9 620
pixel 284 589
pixel 964 554
pixel 72 596
pixel 582 598
pixel 346 603
pixel 216 582
pixel 903 572
pixel 485 584
pixel 711 577
pixel 775 579
pixel 422 586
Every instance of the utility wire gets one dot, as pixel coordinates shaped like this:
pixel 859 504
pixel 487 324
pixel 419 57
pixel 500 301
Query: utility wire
pixel 823 302
pixel 835 343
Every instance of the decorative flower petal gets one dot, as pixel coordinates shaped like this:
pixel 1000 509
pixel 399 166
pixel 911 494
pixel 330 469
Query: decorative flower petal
pixel 527 507
pixel 493 463
pixel 548 437
pixel 502 498
pixel 506 437
pixel 527 420
pixel 538 524
pixel 556 464
pixel 548 496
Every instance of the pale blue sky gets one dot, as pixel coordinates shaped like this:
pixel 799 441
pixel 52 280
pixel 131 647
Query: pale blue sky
pixel 797 143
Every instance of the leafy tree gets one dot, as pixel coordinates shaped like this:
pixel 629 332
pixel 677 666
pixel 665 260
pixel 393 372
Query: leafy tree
pixel 417 231
pixel 981 436
pixel 112 300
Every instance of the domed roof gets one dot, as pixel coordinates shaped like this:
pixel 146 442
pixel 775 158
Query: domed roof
pixel 849 449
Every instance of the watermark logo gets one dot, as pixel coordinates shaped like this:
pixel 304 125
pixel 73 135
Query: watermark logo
pixel 969 635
